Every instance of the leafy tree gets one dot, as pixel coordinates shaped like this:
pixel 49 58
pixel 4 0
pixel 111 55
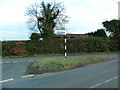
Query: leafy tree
pixel 44 17
pixel 98 33
pixel 113 27
pixel 90 34
pixel 35 37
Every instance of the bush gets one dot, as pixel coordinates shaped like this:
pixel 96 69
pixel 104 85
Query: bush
pixel 6 48
pixel 19 49
pixel 42 47
pixel 88 45
pixel 56 46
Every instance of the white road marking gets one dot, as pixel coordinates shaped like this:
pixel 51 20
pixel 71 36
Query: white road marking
pixel 96 85
pixel 1 62
pixel 30 61
pixel 37 60
pixel 103 82
pixel 17 61
pixel 14 61
pixel 28 76
pixel 7 62
pixel 7 80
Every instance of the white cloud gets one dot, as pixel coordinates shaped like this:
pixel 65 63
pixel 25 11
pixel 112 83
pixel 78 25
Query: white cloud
pixel 14 10
pixel 92 13
pixel 11 12
pixel 86 15
pixel 12 32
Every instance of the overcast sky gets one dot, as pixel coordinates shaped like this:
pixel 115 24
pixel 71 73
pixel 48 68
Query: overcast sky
pixel 85 16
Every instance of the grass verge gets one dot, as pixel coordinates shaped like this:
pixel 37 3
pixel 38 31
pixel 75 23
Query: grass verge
pixel 60 64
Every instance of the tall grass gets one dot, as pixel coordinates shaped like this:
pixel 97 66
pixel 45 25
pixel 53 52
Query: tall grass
pixel 60 64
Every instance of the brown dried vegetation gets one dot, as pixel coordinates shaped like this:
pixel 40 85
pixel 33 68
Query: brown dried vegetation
pixel 19 49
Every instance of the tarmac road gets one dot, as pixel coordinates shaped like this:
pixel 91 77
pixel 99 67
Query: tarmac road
pixel 98 75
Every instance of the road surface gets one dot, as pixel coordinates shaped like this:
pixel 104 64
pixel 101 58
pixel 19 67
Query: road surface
pixel 98 75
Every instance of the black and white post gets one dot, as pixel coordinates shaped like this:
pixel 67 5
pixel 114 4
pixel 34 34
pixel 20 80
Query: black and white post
pixel 119 10
pixel 65 44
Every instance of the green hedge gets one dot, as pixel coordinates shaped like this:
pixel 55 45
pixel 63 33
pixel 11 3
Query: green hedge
pixel 41 47
pixel 88 45
pixel 6 48
pixel 56 46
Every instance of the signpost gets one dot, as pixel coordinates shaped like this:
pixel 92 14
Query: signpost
pixel 119 10
pixel 65 44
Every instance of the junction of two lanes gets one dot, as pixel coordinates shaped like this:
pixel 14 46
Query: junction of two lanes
pixel 99 75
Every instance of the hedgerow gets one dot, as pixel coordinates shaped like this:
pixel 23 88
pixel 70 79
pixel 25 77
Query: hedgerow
pixel 56 46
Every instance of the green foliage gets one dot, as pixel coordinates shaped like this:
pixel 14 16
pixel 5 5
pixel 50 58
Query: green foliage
pixel 45 17
pixel 6 48
pixel 98 33
pixel 88 45
pixel 60 64
pixel 35 36
pixel 113 27
pixel 56 46
pixel 43 47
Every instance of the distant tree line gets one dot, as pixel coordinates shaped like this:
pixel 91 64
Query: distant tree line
pixel 98 33
pixel 112 27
